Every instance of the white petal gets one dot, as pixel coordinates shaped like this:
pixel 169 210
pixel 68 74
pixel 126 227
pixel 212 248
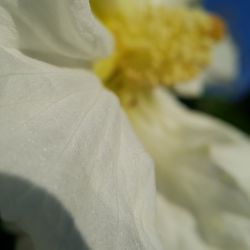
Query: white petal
pixel 225 64
pixel 192 88
pixel 72 173
pixel 191 174
pixel 234 159
pixel 177 227
pixel 62 32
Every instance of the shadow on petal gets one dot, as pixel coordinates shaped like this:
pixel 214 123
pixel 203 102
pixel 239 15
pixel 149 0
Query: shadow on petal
pixel 29 210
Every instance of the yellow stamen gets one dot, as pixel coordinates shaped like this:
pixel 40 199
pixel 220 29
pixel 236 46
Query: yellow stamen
pixel 158 46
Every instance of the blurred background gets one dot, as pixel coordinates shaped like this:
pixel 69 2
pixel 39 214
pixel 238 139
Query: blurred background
pixel 230 102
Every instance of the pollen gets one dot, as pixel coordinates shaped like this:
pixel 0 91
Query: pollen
pixel 159 46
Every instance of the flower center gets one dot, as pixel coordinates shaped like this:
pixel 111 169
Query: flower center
pixel 159 46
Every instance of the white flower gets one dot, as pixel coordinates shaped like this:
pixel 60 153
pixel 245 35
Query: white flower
pixel 202 165
pixel 202 175
pixel 72 174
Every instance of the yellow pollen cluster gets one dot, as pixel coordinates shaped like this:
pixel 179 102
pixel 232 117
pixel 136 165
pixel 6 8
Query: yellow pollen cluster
pixel 158 46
